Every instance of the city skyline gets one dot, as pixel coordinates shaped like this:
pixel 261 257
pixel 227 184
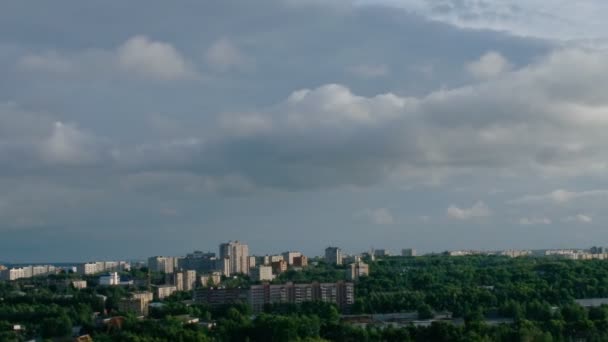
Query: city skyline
pixel 130 129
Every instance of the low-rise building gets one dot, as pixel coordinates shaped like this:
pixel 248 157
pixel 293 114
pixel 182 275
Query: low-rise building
pixel 164 291
pixel 137 303
pixel 408 252
pixel 300 261
pixel 289 256
pixel 79 284
pixel 340 293
pixel 279 267
pixel 211 279
pixel 356 270
pixel 262 273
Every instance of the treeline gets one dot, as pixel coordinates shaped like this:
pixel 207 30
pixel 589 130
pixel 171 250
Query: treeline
pixel 537 294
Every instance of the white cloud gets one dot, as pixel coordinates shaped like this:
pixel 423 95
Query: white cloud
pixel 139 56
pixel 560 20
pixel 67 145
pixel 153 59
pixel 525 221
pixel 224 55
pixel 369 70
pixel 580 218
pixel 479 209
pixel 560 196
pixel 490 65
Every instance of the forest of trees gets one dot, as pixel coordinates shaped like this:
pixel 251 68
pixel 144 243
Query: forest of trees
pixel 536 293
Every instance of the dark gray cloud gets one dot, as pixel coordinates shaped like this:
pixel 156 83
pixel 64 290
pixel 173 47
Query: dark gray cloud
pixel 250 119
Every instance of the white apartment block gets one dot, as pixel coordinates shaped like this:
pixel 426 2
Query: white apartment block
pixel 162 264
pixel 262 273
pixel 238 255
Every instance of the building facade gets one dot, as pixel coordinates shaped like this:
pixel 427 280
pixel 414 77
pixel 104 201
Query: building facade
pixel 333 255
pixel 237 254
pixel 356 270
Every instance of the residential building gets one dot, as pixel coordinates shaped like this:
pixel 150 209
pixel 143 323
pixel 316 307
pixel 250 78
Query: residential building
pixel 163 291
pixel 95 267
pixel 262 273
pixel 113 279
pixel 300 261
pixel 178 281
pixel 333 255
pixel 109 279
pixel 279 267
pixel 269 259
pixel 26 272
pixel 161 264
pixel 211 279
pixel 238 255
pixel 201 262
pixel 79 284
pixel 382 253
pixel 288 256
pixel 408 252
pixel 189 280
pixel 356 270
pixel 138 303
pixel 341 293
pixel 252 262
pixel 217 297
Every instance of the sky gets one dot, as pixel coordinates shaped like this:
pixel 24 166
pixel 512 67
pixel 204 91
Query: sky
pixel 140 128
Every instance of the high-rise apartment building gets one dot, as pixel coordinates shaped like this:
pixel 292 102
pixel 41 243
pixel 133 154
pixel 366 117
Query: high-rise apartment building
pixel 178 281
pixel 161 264
pixel 333 255
pixel 189 280
pixel 238 255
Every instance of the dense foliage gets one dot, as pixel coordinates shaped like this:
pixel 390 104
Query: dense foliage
pixel 536 293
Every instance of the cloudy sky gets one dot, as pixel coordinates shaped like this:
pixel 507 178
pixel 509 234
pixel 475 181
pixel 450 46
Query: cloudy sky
pixel 130 129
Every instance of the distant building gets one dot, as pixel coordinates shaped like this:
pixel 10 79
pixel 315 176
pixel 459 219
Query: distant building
pixel 164 291
pixel 178 281
pixel 138 303
pixel 333 255
pixel 301 261
pixel 201 262
pixel 210 279
pixel 217 297
pixel 408 252
pixel 382 253
pixel 356 270
pixel 113 279
pixel 79 284
pixel 26 272
pixel 238 255
pixel 279 267
pixel 340 293
pixel 289 256
pixel 252 262
pixel 162 264
pixel 109 279
pixel 189 280
pixel 262 273
pixel 95 267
